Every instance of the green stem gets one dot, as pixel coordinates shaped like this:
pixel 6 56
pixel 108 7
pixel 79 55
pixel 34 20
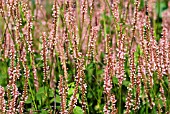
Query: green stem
pixel 105 36
pixel 120 96
pixel 32 95
pixel 147 108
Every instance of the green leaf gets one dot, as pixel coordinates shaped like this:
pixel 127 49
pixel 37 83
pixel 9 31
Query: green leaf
pixel 40 93
pixel 126 83
pixel 99 72
pixel 29 100
pixel 71 88
pixel 58 99
pixel 160 7
pixel 115 80
pixel 51 93
pixel 44 112
pixel 77 110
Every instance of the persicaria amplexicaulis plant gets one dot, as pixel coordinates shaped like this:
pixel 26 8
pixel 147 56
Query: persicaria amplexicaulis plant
pixel 85 56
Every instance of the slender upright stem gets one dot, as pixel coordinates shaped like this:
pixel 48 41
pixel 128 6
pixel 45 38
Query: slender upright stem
pixel 120 96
